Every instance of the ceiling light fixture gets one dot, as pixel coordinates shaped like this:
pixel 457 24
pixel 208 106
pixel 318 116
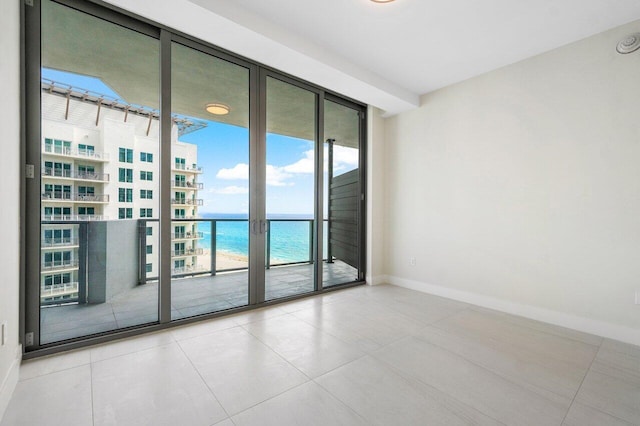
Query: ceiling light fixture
pixel 382 1
pixel 217 109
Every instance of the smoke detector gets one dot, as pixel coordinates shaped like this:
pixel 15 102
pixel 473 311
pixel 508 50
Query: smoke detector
pixel 629 44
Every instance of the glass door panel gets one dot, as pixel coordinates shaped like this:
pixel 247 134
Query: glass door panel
pixel 342 195
pixel 210 183
pixel 290 189
pixel 99 97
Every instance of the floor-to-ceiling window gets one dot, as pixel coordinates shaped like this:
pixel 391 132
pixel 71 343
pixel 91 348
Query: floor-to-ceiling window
pixel 173 180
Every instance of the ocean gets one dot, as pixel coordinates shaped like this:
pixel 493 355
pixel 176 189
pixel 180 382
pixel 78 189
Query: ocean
pixel 289 236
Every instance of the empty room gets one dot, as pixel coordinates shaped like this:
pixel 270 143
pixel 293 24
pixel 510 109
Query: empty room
pixel 348 212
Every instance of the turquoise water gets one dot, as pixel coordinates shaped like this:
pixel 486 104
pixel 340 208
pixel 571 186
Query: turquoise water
pixel 289 237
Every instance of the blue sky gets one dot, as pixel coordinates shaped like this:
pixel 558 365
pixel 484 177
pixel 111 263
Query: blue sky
pixel 223 152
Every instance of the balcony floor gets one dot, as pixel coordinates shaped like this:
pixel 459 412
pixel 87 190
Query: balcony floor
pixel 190 297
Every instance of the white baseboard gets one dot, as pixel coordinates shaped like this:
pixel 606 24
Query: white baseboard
pixel 377 280
pixel 10 381
pixel 586 325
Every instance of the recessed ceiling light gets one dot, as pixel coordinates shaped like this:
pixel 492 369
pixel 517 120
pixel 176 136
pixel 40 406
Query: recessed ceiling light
pixel 382 1
pixel 218 109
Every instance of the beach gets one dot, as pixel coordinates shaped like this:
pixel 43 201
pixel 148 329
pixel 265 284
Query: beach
pixel 223 261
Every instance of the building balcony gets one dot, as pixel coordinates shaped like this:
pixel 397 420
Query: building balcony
pixel 55 290
pixel 83 154
pixel 74 175
pixel 189 269
pixel 188 185
pixel 79 198
pixel 184 216
pixel 58 265
pixel 59 242
pixel 194 168
pixel 187 236
pixel 187 201
pixel 72 217
pixel 187 252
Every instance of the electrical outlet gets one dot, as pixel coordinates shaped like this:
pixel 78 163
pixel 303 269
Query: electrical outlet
pixel 28 339
pixel 412 261
pixel 3 334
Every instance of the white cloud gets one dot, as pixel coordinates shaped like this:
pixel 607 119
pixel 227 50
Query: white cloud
pixel 305 165
pixel 345 158
pixel 276 176
pixel 239 172
pixel 230 190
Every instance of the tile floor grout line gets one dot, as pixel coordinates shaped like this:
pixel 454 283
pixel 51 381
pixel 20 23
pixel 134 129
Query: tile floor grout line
pixel 93 410
pixel 270 398
pixel 203 380
pixel 581 383
pixel 531 387
pixel 430 385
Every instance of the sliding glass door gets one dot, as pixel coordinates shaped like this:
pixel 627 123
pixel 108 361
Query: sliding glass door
pixel 98 198
pixel 209 183
pixel 173 180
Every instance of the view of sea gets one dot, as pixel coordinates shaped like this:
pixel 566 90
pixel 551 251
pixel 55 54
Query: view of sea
pixel 289 236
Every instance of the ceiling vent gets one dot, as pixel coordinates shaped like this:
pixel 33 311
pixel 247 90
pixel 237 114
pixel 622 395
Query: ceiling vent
pixel 630 44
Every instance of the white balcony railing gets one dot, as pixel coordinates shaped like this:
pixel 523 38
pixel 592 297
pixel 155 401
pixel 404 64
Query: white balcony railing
pixel 68 196
pixel 54 290
pixel 189 269
pixel 192 168
pixel 187 201
pixel 57 242
pixel 187 235
pixel 187 252
pixel 73 217
pixel 81 153
pixel 75 174
pixel 188 185
pixel 59 264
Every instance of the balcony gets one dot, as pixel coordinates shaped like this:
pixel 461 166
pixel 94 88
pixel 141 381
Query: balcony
pixel 72 217
pixel 187 201
pixel 187 252
pixel 58 265
pixel 188 270
pixel 188 185
pixel 80 198
pixel 59 242
pixel 75 175
pixel 187 235
pixel 84 154
pixel 56 290
pixel 194 168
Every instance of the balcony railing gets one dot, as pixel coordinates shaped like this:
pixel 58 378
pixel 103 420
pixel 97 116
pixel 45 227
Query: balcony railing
pixel 183 216
pixel 82 153
pixel 59 264
pixel 187 252
pixel 188 185
pixel 187 270
pixel 75 174
pixel 189 168
pixel 72 217
pixel 47 291
pixel 68 196
pixel 57 242
pixel 187 235
pixel 187 201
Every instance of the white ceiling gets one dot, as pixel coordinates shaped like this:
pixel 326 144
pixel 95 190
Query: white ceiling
pixel 388 54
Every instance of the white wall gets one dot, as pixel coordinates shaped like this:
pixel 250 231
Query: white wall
pixel 520 189
pixel 10 195
pixel 375 196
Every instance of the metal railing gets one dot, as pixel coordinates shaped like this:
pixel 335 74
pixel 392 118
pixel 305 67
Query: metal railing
pixel 56 242
pixel 188 185
pixel 68 196
pixel 187 235
pixel 75 174
pixel 72 217
pixel 189 168
pixel 59 264
pixel 83 153
pixel 188 201
pixel 187 252
pixel 54 290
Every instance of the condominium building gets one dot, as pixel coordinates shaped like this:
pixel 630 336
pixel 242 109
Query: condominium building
pixel 100 162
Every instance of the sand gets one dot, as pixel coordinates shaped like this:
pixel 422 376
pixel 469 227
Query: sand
pixel 223 261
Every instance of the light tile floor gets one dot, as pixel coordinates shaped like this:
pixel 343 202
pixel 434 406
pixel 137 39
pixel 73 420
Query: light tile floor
pixel 362 356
